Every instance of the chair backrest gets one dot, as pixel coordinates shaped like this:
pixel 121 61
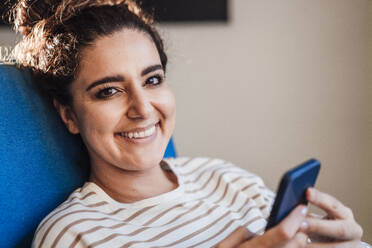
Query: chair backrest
pixel 39 158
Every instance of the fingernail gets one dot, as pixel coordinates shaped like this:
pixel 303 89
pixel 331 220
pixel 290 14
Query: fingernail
pixel 304 226
pixel 304 211
pixel 313 190
pixel 311 193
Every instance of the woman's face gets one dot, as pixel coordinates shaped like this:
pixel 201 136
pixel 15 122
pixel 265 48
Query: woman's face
pixel 122 106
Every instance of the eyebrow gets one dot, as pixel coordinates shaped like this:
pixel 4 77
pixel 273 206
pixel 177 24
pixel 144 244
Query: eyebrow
pixel 119 78
pixel 104 80
pixel 151 69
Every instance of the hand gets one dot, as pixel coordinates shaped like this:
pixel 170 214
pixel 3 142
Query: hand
pixel 337 229
pixel 284 235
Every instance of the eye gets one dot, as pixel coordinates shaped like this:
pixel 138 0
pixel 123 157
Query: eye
pixel 155 80
pixel 106 92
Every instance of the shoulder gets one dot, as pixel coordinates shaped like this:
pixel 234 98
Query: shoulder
pixel 54 230
pixel 196 165
pixel 226 175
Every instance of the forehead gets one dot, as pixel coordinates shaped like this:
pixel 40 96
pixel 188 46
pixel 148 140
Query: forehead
pixel 123 51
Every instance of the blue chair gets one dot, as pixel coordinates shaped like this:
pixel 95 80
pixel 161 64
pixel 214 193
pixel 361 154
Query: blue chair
pixel 41 162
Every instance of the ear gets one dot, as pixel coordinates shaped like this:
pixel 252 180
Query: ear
pixel 67 116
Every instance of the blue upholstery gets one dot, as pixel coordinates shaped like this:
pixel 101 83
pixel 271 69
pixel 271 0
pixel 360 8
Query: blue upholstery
pixel 39 159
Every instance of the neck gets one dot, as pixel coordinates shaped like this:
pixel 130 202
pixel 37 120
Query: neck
pixel 131 186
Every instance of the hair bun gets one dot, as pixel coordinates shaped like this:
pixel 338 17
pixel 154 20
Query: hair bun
pixel 54 31
pixel 27 13
pixel 69 8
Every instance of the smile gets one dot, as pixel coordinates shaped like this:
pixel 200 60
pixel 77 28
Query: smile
pixel 139 135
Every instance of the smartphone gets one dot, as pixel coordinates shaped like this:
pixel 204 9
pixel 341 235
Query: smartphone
pixel 292 189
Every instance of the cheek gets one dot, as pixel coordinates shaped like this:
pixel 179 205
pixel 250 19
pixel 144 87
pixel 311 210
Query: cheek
pixel 97 119
pixel 167 105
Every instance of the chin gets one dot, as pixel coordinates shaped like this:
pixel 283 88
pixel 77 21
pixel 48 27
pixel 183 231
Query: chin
pixel 144 162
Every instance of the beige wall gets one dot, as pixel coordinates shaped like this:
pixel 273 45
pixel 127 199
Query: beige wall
pixel 7 38
pixel 282 82
pixel 368 167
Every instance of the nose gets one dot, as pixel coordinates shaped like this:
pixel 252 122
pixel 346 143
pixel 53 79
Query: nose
pixel 140 106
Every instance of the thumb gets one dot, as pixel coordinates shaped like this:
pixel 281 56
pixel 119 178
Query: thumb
pixel 288 227
pixel 236 238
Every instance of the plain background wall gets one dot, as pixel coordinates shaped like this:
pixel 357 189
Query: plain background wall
pixel 283 81
pixel 368 167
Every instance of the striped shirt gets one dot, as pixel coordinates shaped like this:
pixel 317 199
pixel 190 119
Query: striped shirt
pixel 214 197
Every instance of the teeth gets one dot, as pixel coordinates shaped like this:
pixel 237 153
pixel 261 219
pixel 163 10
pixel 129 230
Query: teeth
pixel 142 134
pixel 147 132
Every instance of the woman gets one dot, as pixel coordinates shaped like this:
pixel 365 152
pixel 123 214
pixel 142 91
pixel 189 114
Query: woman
pixel 104 65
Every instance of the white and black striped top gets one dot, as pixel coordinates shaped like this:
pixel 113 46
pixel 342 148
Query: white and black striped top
pixel 214 197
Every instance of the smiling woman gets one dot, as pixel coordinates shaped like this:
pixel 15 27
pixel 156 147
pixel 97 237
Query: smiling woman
pixel 128 98
pixel 103 63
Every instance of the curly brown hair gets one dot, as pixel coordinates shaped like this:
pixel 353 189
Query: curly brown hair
pixel 55 32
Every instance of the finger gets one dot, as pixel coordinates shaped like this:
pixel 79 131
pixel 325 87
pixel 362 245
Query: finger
pixel 354 244
pixel 287 228
pixel 299 240
pixel 337 229
pixel 237 237
pixel 331 205
pixel 315 216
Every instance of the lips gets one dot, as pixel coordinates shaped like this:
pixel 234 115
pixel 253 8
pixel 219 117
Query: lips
pixel 143 134
pixel 139 133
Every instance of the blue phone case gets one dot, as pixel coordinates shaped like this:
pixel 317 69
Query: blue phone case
pixel 292 190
